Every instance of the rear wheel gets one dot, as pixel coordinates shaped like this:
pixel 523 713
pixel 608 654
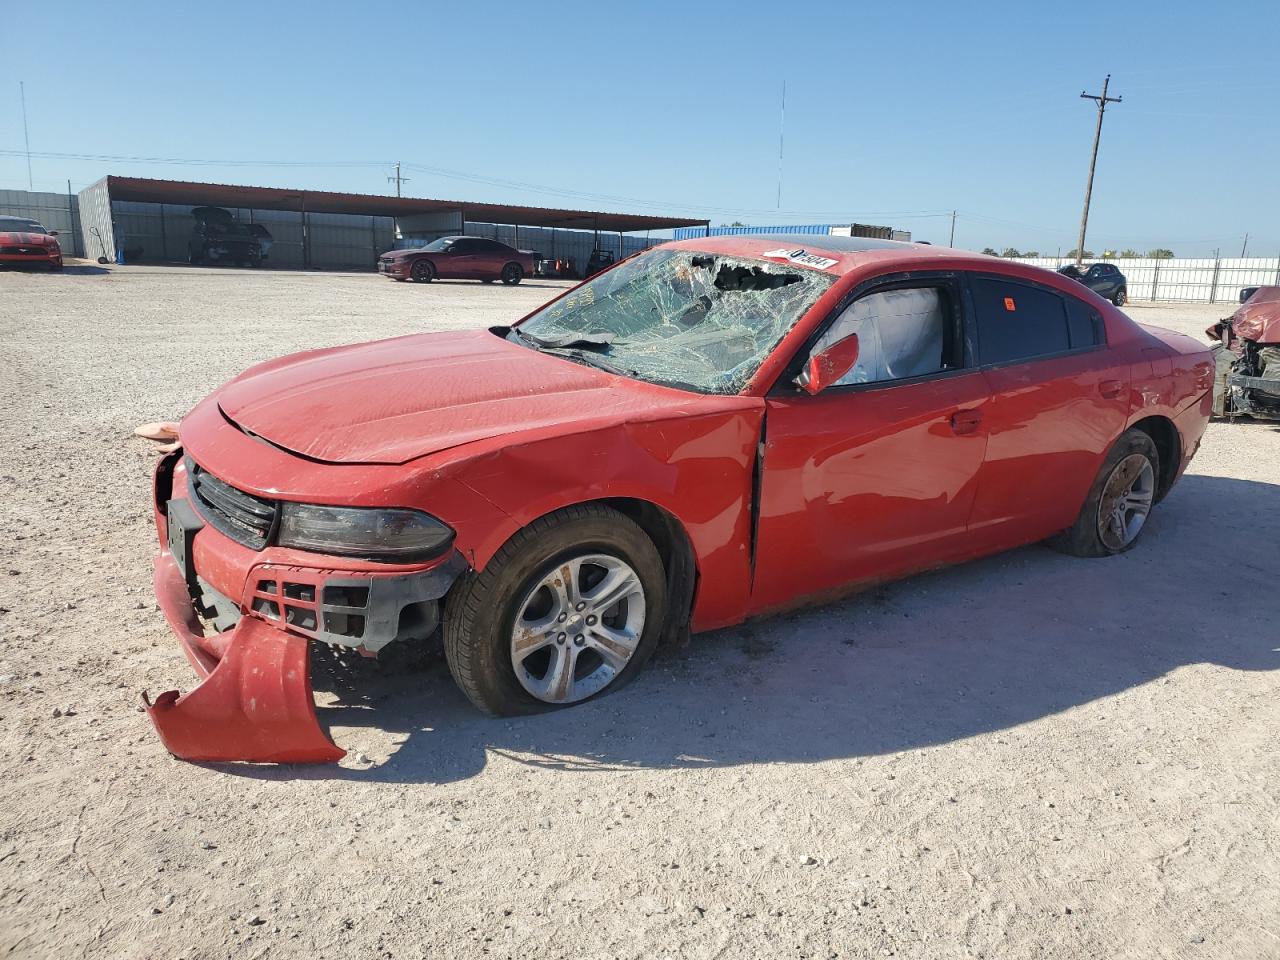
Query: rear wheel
pixel 422 271
pixel 570 607
pixel 512 274
pixel 1116 510
pixel 1121 297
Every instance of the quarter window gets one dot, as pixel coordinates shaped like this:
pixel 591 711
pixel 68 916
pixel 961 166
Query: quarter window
pixel 1017 321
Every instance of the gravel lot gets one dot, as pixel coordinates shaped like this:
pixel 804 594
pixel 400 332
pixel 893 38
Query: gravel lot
pixel 1029 756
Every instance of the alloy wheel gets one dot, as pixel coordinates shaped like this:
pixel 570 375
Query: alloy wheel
pixel 1126 501
pixel 577 628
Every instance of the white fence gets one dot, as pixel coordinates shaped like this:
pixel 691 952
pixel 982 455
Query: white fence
pixel 1203 281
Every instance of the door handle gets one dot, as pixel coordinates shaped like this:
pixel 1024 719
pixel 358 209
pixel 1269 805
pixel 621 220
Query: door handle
pixel 964 422
pixel 1110 388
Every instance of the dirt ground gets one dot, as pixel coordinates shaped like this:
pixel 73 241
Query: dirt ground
pixel 1028 756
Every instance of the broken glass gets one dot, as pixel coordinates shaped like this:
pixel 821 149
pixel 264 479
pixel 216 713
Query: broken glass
pixel 681 317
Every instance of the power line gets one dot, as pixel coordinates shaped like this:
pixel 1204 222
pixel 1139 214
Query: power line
pixel 1102 100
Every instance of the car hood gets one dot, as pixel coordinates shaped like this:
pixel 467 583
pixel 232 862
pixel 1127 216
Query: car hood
pixel 392 401
pixel 27 239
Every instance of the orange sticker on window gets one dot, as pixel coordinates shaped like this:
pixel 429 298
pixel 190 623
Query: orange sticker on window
pixel 1009 304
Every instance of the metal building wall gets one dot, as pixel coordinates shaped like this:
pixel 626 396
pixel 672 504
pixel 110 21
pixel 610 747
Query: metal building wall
pixel 551 243
pixel 56 211
pixel 334 241
pixel 96 235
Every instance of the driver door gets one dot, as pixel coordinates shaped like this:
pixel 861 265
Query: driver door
pixel 874 476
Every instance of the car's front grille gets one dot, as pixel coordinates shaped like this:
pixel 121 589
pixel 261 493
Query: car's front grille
pixel 241 516
pixel 25 251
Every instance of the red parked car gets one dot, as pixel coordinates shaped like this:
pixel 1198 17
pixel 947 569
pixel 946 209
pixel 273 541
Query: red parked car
pixel 458 258
pixel 712 430
pixel 24 241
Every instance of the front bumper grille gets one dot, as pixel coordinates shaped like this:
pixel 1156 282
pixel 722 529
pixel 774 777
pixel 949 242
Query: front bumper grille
pixel 243 517
pixel 26 251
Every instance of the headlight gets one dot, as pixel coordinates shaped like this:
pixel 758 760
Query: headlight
pixel 403 536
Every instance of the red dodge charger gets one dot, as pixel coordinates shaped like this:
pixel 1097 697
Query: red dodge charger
pixel 24 241
pixel 712 430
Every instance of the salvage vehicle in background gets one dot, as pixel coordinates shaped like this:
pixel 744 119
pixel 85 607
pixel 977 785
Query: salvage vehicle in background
pixel 1247 292
pixel 26 242
pixel 712 430
pixel 458 258
pixel 1104 279
pixel 1248 362
pixel 217 237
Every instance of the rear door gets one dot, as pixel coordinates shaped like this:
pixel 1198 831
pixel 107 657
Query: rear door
pixel 874 476
pixel 1057 405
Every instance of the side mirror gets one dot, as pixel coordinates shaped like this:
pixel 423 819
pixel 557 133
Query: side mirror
pixel 827 367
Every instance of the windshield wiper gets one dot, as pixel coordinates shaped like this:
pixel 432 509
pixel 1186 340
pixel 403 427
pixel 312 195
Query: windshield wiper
pixel 586 341
pixel 593 359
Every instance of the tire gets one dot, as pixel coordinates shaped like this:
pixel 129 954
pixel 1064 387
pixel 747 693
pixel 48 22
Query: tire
pixel 512 274
pixel 55 266
pixel 1131 470
pixel 519 586
pixel 422 271
pixel 1121 297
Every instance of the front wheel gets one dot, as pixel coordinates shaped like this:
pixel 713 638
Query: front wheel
pixel 512 274
pixel 1119 502
pixel 422 271
pixel 1121 297
pixel 569 608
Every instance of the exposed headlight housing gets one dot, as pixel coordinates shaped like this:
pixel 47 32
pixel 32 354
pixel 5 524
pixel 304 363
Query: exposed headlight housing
pixel 392 535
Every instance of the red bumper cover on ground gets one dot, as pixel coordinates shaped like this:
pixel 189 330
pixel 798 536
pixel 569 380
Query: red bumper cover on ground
pixel 255 701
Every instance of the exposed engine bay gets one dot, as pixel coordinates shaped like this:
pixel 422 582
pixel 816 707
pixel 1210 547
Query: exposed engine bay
pixel 1247 376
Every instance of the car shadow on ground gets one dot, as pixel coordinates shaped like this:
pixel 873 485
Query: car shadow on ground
pixel 940 657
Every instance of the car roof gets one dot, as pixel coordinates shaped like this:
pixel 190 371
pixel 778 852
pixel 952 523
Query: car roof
pixel 848 252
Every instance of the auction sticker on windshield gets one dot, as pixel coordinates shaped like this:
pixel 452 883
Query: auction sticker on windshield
pixel 801 257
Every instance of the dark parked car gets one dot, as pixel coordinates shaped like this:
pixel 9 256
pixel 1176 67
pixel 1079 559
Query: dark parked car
pixel 458 258
pixel 1104 279
pixel 218 237
pixel 1247 292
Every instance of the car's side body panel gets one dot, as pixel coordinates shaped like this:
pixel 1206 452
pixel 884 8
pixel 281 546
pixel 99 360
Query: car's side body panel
pixel 865 483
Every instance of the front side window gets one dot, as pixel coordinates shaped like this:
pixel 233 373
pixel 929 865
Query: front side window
pixel 700 320
pixel 902 333
pixel 1017 321
pixel 440 246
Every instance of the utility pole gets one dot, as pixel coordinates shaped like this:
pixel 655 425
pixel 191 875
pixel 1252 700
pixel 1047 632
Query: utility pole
pixel 397 179
pixel 1102 102
pixel 1246 245
pixel 952 241
pixel 22 92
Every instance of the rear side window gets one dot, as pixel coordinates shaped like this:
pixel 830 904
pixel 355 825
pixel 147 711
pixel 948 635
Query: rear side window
pixel 1017 321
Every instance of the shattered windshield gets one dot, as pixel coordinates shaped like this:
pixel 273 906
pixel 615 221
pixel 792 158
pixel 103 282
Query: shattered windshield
pixel 681 317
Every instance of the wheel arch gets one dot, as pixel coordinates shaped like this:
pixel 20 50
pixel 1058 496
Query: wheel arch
pixel 1164 434
pixel 669 536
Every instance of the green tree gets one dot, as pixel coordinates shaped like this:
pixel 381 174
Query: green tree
pixel 1160 253
pixel 1011 252
pixel 1087 255
pixel 736 223
pixel 1128 254
pixel 1031 253
pixel 989 252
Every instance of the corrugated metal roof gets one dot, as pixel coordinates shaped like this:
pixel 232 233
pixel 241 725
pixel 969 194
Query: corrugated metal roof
pixel 319 201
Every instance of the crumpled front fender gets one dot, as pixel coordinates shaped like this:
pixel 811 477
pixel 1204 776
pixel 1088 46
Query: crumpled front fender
pixel 255 701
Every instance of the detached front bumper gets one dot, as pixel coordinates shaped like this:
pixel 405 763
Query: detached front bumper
pixel 254 701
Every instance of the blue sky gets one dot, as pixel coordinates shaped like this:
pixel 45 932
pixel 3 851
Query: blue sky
pixel 896 113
